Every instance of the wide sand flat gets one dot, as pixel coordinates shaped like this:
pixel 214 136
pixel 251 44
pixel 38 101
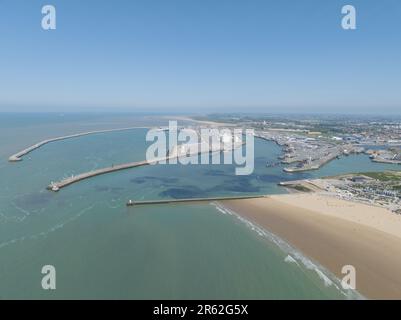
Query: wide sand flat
pixel 335 233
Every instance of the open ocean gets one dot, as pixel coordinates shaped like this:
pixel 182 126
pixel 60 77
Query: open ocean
pixel 102 249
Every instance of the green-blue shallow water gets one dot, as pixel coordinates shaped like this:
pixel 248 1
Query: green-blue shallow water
pixel 102 249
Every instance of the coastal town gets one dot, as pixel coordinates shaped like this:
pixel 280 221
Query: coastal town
pixel 374 188
pixel 306 153
pixel 310 142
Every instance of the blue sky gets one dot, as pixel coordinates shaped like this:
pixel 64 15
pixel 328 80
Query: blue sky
pixel 201 56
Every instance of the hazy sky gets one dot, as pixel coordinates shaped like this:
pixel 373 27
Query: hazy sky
pixel 201 56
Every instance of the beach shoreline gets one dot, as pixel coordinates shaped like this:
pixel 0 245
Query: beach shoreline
pixel 335 233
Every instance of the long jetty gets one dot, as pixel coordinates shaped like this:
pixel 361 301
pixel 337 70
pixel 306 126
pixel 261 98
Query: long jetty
pixel 18 156
pixel 56 186
pixel 177 152
pixel 172 201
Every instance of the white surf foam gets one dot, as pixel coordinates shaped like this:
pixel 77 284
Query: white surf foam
pixel 293 255
pixel 46 232
pixel 290 259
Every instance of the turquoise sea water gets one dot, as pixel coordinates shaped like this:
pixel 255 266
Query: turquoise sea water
pixel 102 249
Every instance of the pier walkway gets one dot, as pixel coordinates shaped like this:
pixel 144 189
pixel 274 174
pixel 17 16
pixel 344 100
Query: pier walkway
pixel 18 156
pixel 177 152
pixel 56 186
pixel 172 201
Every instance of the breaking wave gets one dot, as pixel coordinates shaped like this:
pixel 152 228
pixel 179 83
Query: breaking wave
pixel 48 231
pixel 293 255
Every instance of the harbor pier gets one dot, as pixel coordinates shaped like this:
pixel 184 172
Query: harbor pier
pixel 172 201
pixel 177 152
pixel 56 186
pixel 18 156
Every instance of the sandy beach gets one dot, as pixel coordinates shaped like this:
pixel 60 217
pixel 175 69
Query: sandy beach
pixel 335 233
pixel 201 122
